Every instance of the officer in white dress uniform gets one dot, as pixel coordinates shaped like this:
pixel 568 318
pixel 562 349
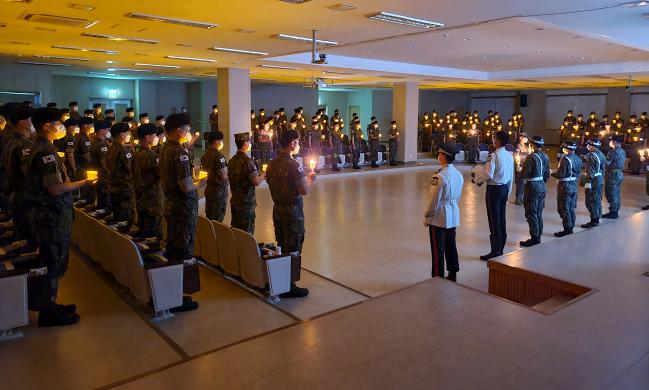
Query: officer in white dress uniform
pixel 500 169
pixel 443 214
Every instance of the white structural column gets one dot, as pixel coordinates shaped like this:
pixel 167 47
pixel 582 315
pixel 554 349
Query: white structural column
pixel 233 90
pixel 405 110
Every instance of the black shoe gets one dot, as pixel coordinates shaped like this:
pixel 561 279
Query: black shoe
pixel 66 309
pixel 394 164
pixel 374 166
pixel 530 242
pixel 296 292
pixel 610 216
pixel 357 167
pixel 335 169
pixel 563 233
pixel 47 318
pixel 452 276
pixel 490 255
pixel 646 207
pixel 188 305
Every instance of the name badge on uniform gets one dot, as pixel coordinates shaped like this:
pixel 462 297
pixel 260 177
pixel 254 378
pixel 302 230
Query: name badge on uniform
pixel 128 155
pixel 222 159
pixel 184 157
pixel 103 149
pixel 26 152
pixel 48 159
pixel 70 143
pixel 87 143
pixel 435 181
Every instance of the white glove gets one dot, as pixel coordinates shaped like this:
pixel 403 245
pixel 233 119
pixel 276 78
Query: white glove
pixel 588 186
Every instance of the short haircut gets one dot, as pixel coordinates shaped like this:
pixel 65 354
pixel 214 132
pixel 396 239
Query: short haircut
pixel 240 143
pixel 503 137
pixel 177 120
pixel 449 158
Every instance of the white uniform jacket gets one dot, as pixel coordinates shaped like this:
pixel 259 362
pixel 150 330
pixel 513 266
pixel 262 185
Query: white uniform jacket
pixel 445 191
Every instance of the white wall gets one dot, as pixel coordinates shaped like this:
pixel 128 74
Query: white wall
pixel 271 97
pixel 443 101
pixel 382 109
pixel 26 78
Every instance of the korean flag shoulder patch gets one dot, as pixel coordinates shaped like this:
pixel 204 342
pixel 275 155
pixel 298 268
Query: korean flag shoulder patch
pixel 184 157
pixel 48 159
pixel 103 149
pixel 222 159
pixel 128 155
pixel 26 152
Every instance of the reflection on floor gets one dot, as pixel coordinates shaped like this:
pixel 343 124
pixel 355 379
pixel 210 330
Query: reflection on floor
pixel 373 309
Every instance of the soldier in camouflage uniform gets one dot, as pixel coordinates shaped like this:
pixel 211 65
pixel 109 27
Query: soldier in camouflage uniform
pixel 335 139
pixel 216 166
pixel 614 176
pixel 374 137
pixel 98 153
pixel 394 143
pixel 67 144
pixel 146 179
pixel 243 177
pixel 357 142
pixel 51 189
pixel 82 159
pixel 595 163
pixel 120 163
pixel 313 141
pixel 14 160
pixel 287 186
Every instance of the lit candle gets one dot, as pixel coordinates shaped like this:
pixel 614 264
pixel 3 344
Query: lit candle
pixel 264 167
pixel 91 175
pixel 312 165
pixel 322 136
pixel 202 175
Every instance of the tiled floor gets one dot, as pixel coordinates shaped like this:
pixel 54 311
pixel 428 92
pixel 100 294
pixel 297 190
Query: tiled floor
pixel 364 232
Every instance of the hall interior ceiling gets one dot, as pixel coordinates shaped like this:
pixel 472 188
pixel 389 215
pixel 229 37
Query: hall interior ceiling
pixel 499 44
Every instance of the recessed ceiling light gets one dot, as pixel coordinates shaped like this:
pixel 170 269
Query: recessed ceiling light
pixel 83 7
pixel 505 45
pixel 184 45
pixel 57 20
pixel 157 65
pixel 539 51
pixel 111 62
pixel 404 20
pixel 19 1
pixel 245 30
pixel 278 67
pixel 42 63
pixel 466 39
pixel 120 39
pixel 190 59
pixel 636 4
pixel 451 52
pixel 182 22
pixel 342 7
pixel 128 70
pixel 240 51
pixel 83 49
pixel 484 57
pixel 539 29
pixel 303 39
pixel 411 45
pixel 63 58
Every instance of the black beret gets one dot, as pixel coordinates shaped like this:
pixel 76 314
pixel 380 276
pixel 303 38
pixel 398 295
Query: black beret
pixel 119 128
pixel 393 122
pixel 71 122
pixel 85 112
pixel 127 119
pixel 65 111
pixel 110 111
pixel 252 111
pixel 289 136
pixel 448 149
pixel 86 120
pixel 214 136
pixel 146 129
pixel 215 106
pixel 242 137
pixel 296 110
pixel 177 120
pixel 281 109
pixel 96 105
pixel 102 124
pixel 72 104
pixel 261 109
pixel 594 142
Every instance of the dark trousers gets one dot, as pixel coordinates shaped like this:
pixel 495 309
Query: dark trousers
pixel 394 146
pixel 566 204
pixel 534 202
pixel 148 222
pixel 612 185
pixel 215 207
pixel 443 247
pixel 496 207
pixel 594 198
pixel 181 228
pixel 356 154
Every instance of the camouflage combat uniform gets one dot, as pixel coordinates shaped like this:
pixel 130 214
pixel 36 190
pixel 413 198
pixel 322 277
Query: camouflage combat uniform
pixel 241 171
pixel 216 192
pixel 119 161
pixel 98 152
pixel 148 192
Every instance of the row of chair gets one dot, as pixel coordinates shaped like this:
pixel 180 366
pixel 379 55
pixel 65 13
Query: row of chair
pixel 154 280
pixel 237 253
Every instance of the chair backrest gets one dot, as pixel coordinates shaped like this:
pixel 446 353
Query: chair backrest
pixel 138 282
pixel 483 147
pixel 347 149
pixel 253 269
pixel 460 147
pixel 228 255
pixel 115 248
pixel 209 246
pixel 326 151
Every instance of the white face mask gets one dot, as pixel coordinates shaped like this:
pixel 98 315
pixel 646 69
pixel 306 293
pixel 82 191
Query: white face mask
pixel 611 144
pixel 219 146
pixel 127 139
pixel 60 131
pixel 32 129
pixel 296 151
pixel 155 141
pixel 108 135
pixel 565 151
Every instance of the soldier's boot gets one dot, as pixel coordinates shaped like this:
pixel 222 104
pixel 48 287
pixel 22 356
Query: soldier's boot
pixel 591 224
pixel 452 276
pixel 563 233
pixel 531 242
pixel 495 244
pixel 188 305
pixel 610 215
pixel 646 207
pixel 56 317
pixel 295 292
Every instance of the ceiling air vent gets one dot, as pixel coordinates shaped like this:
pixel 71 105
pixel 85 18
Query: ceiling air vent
pixel 182 22
pixel 58 20
pixel 342 7
pixel 295 1
pixel 19 1
pixel 83 7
